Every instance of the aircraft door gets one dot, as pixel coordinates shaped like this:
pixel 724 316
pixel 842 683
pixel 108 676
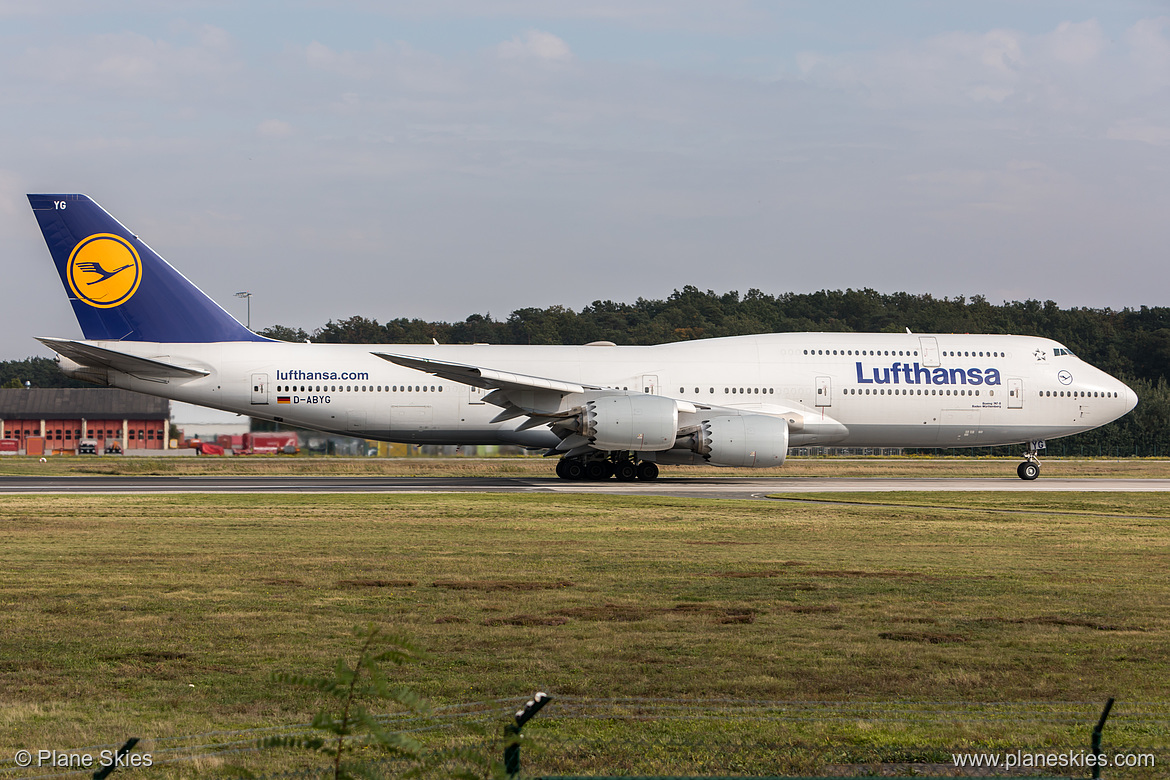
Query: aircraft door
pixel 1015 393
pixel 824 391
pixel 650 384
pixel 259 389
pixel 929 346
pixel 475 395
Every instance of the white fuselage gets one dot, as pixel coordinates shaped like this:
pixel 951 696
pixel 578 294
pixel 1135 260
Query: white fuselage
pixel 850 389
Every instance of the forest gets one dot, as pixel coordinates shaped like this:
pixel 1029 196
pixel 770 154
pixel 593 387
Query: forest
pixel 1131 344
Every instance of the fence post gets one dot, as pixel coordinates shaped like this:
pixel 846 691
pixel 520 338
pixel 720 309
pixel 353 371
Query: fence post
pixel 1097 738
pixel 512 732
pixel 105 771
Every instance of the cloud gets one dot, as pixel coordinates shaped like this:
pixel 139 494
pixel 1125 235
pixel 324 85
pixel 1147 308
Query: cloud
pixel 130 61
pixel 394 67
pixel 1076 43
pixel 274 128
pixel 318 56
pixel 535 44
pixel 1149 52
pixel 1074 69
pixel 1139 130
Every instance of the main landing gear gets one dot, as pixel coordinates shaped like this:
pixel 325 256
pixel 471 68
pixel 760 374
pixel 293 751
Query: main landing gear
pixel 1030 468
pixel 601 467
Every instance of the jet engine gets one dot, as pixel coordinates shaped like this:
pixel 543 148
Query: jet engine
pixel 751 440
pixel 638 423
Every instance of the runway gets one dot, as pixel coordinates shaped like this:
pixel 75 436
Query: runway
pixel 701 487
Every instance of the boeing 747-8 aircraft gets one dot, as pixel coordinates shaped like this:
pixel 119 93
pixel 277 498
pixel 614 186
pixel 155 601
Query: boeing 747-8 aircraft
pixel 604 410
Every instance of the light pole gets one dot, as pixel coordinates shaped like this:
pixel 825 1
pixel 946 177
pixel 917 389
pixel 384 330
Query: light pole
pixel 247 296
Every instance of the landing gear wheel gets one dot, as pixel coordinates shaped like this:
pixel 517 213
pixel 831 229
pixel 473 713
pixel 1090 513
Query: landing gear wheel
pixel 625 471
pixel 1028 470
pixel 647 470
pixel 570 468
pixel 597 470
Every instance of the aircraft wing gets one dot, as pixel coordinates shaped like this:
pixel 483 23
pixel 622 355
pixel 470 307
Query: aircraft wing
pixel 541 399
pixel 590 417
pixel 487 378
pixel 100 357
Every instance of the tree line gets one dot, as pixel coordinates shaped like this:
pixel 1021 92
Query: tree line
pixel 1131 344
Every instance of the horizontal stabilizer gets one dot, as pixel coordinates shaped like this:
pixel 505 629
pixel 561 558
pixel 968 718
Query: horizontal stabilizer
pixel 100 357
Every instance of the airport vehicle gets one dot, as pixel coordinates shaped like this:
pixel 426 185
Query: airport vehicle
pixel 605 410
pixel 282 443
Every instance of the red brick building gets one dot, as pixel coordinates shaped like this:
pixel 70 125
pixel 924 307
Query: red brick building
pixel 64 416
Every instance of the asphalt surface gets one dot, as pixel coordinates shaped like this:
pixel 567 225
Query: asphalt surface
pixel 702 487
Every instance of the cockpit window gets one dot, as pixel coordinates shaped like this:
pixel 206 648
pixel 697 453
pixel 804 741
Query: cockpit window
pixel 1062 351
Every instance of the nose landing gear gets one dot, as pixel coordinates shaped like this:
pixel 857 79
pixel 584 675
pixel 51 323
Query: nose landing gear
pixel 1030 468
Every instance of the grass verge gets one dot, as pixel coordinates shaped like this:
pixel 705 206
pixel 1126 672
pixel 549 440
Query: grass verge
pixel 164 616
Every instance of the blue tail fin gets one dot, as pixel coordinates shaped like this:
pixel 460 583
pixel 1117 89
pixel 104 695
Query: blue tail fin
pixel 121 290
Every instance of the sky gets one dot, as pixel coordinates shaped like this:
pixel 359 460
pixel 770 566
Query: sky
pixel 440 159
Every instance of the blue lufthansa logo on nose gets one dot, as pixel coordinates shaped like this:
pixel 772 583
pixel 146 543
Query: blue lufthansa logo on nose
pixel 1065 378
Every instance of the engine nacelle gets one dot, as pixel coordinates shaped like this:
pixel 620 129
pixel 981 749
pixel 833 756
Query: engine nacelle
pixel 639 423
pixel 750 440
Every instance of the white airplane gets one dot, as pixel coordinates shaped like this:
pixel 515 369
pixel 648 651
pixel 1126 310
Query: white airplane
pixel 604 410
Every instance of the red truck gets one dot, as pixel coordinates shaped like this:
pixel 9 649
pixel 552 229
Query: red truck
pixel 281 442
pixel 232 441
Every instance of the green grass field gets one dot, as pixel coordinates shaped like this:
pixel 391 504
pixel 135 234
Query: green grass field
pixel 163 617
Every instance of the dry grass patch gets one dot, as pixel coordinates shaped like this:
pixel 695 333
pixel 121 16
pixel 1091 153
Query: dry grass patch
pixel 371 583
pixel 622 613
pixel 527 620
pixel 761 574
pixel 809 609
pixel 721 615
pixel 927 637
pixel 495 585
pixel 859 574
pixel 1052 620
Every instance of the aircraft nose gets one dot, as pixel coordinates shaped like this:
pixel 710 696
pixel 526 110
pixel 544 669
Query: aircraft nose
pixel 1129 397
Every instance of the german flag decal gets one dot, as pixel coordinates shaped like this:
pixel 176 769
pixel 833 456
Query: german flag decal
pixel 283 399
